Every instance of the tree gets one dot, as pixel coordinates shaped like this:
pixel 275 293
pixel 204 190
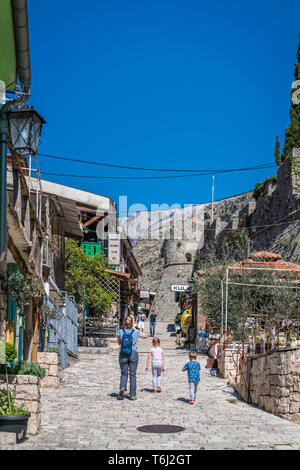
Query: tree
pixel 213 261
pixel 270 295
pixel 86 277
pixel 292 133
pixel 277 155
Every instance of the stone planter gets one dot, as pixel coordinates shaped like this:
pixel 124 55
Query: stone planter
pixel 27 389
pixel 49 361
pixel 15 424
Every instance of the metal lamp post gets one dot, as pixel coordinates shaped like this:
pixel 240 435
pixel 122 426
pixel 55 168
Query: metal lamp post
pixel 24 127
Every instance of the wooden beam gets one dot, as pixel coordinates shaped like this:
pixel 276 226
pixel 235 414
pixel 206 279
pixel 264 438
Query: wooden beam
pixel 86 209
pixel 91 221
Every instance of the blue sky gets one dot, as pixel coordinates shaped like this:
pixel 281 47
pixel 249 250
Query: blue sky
pixel 162 84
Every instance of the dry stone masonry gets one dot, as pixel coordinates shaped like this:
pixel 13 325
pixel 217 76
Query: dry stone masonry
pixel 49 361
pixel 274 383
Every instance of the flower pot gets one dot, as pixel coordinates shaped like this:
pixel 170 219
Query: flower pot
pixel 16 424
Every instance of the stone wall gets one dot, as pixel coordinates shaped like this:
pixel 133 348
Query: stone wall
pixel 273 219
pixel 274 383
pixel 229 359
pixel 274 205
pixel 27 388
pixel 49 361
pixel 94 342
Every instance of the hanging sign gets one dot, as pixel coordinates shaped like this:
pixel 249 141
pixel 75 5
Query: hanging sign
pixel 144 294
pixel 114 248
pixel 180 287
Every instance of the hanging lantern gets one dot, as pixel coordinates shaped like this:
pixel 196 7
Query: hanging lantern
pixel 25 127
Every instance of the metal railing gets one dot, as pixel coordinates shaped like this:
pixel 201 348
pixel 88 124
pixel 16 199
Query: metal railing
pixel 91 248
pixel 63 329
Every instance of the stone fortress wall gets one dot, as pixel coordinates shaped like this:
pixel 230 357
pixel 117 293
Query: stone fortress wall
pixel 273 220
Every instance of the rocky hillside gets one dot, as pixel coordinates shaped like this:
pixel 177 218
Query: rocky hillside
pixel 148 231
pixel 272 217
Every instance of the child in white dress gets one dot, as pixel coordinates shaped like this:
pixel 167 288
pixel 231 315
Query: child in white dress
pixel 156 356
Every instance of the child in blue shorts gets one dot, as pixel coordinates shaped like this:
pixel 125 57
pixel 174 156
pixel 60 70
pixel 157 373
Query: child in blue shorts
pixel 193 369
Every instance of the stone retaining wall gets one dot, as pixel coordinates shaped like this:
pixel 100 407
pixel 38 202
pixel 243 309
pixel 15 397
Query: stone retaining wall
pixel 274 383
pixel 94 342
pixel 229 360
pixel 49 361
pixel 27 388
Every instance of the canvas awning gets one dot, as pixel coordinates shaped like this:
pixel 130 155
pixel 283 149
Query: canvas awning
pixel 8 61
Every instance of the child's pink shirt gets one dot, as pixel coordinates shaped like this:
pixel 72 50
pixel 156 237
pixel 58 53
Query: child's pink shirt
pixel 156 354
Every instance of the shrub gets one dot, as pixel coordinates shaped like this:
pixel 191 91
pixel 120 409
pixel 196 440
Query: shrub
pixel 8 353
pixel 260 187
pixel 31 368
pixel 25 368
pixel 8 406
pixel 53 349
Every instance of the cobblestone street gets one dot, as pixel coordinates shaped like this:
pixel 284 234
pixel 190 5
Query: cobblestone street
pixel 84 413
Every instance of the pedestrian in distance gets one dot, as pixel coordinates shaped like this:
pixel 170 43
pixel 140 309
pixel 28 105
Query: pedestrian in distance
pixel 133 318
pixel 128 357
pixel 142 318
pixel 152 320
pixel 157 358
pixel 193 370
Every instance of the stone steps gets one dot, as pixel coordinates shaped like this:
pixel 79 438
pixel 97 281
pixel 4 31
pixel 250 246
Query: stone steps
pixel 90 354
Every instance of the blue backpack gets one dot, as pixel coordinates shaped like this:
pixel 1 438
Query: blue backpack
pixel 127 341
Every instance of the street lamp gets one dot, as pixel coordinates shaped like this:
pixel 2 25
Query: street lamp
pixel 25 127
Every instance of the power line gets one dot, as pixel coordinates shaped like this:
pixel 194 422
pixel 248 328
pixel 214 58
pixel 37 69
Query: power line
pixel 124 177
pixel 204 171
pixel 207 173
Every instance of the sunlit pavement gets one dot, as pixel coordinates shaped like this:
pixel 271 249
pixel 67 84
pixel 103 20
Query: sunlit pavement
pixel 84 413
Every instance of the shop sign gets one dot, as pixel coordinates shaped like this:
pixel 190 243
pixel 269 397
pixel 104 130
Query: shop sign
pixel 144 294
pixel 114 248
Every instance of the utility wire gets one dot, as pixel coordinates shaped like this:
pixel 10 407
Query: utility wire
pixel 206 173
pixel 124 177
pixel 256 167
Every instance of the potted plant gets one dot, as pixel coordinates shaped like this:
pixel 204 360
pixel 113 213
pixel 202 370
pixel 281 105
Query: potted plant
pixel 13 418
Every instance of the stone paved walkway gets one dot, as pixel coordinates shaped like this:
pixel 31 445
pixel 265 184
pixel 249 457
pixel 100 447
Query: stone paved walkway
pixel 84 413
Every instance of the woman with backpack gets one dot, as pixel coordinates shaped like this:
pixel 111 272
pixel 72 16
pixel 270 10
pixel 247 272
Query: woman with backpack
pixel 128 357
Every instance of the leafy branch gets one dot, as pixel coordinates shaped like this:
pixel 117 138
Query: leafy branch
pixel 23 287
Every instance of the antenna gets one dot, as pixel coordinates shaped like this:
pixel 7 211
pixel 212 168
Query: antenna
pixel 212 199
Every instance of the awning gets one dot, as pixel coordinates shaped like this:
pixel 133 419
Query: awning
pixel 67 211
pixel 8 61
pixel 68 217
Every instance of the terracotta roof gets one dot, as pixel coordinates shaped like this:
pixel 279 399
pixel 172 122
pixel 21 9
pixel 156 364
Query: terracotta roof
pixel 260 259
pixel 265 259
pixel 265 255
